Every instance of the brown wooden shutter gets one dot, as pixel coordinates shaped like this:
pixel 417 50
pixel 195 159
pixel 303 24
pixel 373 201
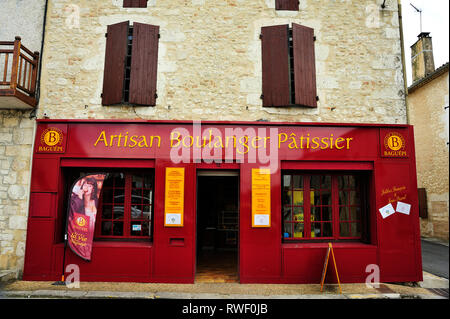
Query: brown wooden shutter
pixel 286 5
pixel 144 62
pixel 135 3
pixel 275 65
pixel 423 205
pixel 304 66
pixel 116 50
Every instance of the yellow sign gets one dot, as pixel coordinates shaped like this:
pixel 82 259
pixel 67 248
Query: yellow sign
pixel 174 200
pixel 260 197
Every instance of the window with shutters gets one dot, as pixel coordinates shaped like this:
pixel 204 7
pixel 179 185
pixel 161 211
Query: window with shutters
pixel 288 66
pixel 135 3
pixel 330 206
pixel 131 60
pixel 286 5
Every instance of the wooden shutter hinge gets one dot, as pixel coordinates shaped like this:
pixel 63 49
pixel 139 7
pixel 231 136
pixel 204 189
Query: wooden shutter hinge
pixel 101 95
pixel 260 36
pixel 156 95
pixel 314 38
pixel 262 97
pixel 106 35
pixel 317 98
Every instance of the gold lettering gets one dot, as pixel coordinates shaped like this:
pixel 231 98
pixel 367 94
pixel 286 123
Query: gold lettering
pixel 102 137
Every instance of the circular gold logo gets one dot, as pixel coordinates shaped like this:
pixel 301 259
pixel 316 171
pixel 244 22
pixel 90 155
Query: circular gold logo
pixel 51 136
pixel 81 221
pixel 394 141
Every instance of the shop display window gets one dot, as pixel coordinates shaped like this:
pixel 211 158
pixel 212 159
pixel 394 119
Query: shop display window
pixel 329 206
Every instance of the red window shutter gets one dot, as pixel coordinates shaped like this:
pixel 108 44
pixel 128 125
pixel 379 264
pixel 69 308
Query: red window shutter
pixel 304 66
pixel 116 50
pixel 135 3
pixel 286 5
pixel 275 65
pixel 144 62
pixel 423 205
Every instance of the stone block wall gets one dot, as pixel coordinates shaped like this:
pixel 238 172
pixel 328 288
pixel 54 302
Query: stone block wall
pixel 209 65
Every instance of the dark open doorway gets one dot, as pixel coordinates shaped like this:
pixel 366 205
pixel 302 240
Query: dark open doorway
pixel 217 226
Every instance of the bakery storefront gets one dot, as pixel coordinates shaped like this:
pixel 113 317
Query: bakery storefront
pixel 256 202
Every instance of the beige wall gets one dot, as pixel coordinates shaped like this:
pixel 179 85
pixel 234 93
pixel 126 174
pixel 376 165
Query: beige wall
pixel 431 132
pixel 209 65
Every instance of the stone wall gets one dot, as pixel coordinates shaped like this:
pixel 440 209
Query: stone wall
pixel 431 133
pixel 22 18
pixel 209 65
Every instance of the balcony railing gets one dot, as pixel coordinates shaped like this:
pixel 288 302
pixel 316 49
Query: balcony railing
pixel 18 75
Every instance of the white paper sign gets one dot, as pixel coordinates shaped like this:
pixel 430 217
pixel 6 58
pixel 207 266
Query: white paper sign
pixel 261 220
pixel 387 210
pixel 173 219
pixel 403 208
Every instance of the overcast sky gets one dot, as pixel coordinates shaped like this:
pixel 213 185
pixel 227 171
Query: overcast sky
pixel 434 20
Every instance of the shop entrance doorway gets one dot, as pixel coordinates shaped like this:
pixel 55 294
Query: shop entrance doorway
pixel 217 226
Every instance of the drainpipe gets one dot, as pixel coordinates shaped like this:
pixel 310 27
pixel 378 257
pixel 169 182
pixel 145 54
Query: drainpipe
pixel 400 22
pixel 38 89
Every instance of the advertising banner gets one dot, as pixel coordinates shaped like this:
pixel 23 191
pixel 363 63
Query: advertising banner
pixel 82 212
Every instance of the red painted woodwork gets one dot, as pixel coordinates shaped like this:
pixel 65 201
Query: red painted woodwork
pixel 393 243
pixel 135 3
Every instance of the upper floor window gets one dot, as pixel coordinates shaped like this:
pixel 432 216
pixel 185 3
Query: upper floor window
pixel 330 207
pixel 131 61
pixel 286 5
pixel 135 3
pixel 288 66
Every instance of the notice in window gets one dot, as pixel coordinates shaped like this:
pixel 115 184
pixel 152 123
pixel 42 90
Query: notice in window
pixel 174 199
pixel 260 197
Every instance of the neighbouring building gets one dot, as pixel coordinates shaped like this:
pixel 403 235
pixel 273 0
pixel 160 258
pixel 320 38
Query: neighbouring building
pixel 428 109
pixel 21 34
pixel 248 134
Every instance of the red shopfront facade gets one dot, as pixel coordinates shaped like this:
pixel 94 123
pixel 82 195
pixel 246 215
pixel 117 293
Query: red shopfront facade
pixel 353 185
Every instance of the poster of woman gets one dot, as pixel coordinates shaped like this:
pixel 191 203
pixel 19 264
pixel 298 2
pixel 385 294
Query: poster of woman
pixel 82 212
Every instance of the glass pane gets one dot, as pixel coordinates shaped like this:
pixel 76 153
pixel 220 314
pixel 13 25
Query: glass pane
pixel 107 212
pixel 119 195
pixel 136 196
pixel 326 213
pixel 315 197
pixel 118 229
pixel 343 198
pixel 119 180
pixel 137 181
pixel 136 212
pixel 147 212
pixel 298 230
pixel 148 181
pixel 118 212
pixel 107 195
pixel 298 214
pixel 106 228
pixel 287 181
pixel 315 230
pixel 342 182
pixel 355 229
pixel 343 230
pixel 352 182
pixel 287 198
pixel 315 214
pixel 298 198
pixel 326 197
pixel 315 182
pixel 298 181
pixel 354 198
pixel 109 182
pixel 355 213
pixel 145 229
pixel 327 230
pixel 343 213
pixel 287 230
pixel 326 182
pixel 287 213
pixel 147 197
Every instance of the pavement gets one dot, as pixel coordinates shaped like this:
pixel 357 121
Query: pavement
pixel 432 287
